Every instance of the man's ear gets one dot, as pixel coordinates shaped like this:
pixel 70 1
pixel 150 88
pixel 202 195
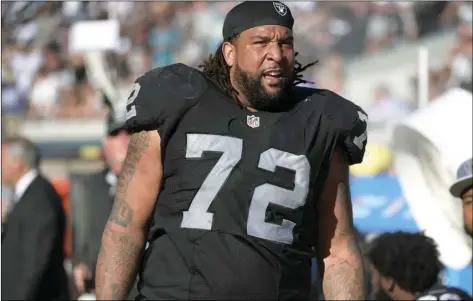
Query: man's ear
pixel 228 50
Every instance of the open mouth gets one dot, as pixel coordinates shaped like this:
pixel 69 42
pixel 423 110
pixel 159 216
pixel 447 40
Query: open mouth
pixel 273 77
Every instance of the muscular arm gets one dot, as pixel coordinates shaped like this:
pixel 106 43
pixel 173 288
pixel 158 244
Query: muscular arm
pixel 125 233
pixel 340 259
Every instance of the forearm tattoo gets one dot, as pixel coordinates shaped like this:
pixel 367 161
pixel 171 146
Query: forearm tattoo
pixel 121 250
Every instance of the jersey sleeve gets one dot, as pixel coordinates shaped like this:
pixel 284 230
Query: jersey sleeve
pixel 160 94
pixel 443 293
pixel 351 124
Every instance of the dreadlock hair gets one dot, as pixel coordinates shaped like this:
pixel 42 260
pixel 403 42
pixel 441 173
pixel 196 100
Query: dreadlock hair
pixel 215 68
pixel 410 259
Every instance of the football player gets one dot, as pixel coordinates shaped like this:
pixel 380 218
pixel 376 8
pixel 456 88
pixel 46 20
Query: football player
pixel 406 266
pixel 236 177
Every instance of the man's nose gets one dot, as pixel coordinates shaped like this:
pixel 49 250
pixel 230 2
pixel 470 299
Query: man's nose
pixel 275 52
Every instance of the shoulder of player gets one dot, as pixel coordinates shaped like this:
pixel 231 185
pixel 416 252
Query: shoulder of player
pixel 308 98
pixel 306 92
pixel 330 102
pixel 337 103
pixel 444 290
pixel 161 94
pixel 455 290
pixel 179 79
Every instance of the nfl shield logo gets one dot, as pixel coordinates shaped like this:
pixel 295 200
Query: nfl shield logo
pixel 252 121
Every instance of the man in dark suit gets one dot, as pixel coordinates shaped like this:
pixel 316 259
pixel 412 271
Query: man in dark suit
pixel 92 197
pixel 33 242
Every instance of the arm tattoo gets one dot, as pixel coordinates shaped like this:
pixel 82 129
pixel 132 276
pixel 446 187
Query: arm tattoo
pixel 120 251
pixel 344 277
pixel 117 265
pixel 122 213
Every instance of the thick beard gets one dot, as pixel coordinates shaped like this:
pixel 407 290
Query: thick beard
pixel 257 95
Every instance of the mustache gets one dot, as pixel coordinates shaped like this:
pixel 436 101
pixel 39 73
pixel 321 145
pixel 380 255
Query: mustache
pixel 284 73
pixel 284 78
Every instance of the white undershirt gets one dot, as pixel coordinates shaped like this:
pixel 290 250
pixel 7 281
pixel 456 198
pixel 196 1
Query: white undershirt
pixel 23 184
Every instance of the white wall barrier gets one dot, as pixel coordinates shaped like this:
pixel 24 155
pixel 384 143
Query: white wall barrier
pixel 427 148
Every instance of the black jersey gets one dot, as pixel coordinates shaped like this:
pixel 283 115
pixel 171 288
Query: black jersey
pixel 442 293
pixel 235 217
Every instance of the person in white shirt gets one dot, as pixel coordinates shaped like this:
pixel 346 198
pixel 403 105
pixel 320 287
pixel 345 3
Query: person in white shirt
pixel 19 165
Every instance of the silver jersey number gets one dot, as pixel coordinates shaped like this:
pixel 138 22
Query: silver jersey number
pixel 198 217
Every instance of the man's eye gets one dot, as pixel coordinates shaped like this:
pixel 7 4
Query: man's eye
pixel 288 44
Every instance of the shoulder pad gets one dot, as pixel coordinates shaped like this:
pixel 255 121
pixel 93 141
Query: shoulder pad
pixel 444 293
pixel 162 93
pixel 351 123
pixel 305 92
pixel 310 100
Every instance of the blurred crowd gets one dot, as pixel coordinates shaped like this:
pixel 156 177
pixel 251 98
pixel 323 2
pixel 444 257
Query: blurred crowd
pixel 41 80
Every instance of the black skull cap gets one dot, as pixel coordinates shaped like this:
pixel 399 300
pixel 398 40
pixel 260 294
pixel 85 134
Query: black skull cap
pixel 249 14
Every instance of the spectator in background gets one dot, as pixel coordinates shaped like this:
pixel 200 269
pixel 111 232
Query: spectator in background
pixel 462 57
pixel 429 16
pixel 164 37
pixel 383 26
pixel 13 99
pixel 463 188
pixel 156 34
pixel 406 266
pixel 202 34
pixel 44 95
pixel 386 108
pixel 135 53
pixel 26 58
pixel 93 194
pixel 354 16
pixel 330 74
pixel 33 242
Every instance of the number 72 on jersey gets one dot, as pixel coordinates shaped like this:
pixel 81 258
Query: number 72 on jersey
pixel 198 217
